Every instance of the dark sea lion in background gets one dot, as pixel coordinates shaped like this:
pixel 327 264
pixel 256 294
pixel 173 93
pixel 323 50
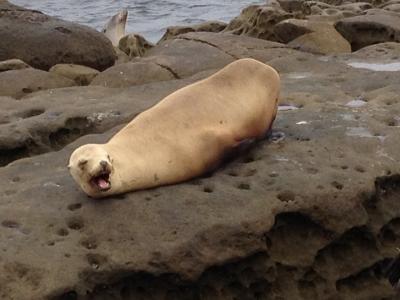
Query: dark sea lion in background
pixel 183 136
pixel 115 27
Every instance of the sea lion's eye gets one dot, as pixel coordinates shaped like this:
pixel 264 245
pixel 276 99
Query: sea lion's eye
pixel 82 163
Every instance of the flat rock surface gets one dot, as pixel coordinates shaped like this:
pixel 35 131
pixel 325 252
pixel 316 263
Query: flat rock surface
pixel 43 41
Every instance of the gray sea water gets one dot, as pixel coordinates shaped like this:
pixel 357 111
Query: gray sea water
pixel 147 17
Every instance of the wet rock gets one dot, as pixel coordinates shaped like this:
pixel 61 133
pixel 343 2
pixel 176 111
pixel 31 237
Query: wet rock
pixel 210 26
pixel 13 64
pixel 377 26
pixel 134 45
pixel 18 83
pixel 133 73
pixel 258 21
pixel 80 74
pixel 43 41
pixel 309 36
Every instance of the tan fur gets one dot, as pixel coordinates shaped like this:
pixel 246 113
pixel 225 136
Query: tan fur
pixel 115 27
pixel 186 133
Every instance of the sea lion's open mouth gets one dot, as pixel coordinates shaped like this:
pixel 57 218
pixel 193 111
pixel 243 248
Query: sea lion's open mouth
pixel 102 181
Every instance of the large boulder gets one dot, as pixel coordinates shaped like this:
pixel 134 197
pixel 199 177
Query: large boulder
pixel 19 83
pixel 376 26
pixel 43 41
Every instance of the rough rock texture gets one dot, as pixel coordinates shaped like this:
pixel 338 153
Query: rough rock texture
pixel 257 21
pixel 134 45
pixel 13 64
pixel 311 213
pixel 210 26
pixel 377 26
pixel 80 74
pixel 18 83
pixel 132 73
pixel 311 36
pixel 43 41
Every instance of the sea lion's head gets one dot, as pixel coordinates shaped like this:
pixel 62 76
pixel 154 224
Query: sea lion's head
pixel 115 28
pixel 91 167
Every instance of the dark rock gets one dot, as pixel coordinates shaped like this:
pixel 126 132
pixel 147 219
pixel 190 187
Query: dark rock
pixel 43 41
pixel 377 26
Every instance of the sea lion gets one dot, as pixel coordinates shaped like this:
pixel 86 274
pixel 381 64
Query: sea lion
pixel 183 136
pixel 115 27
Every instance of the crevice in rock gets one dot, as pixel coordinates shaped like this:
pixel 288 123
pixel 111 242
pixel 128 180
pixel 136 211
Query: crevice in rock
pixel 176 76
pixel 210 44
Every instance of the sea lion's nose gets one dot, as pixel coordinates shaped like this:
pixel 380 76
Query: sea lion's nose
pixel 103 164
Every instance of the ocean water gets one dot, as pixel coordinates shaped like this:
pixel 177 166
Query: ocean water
pixel 149 18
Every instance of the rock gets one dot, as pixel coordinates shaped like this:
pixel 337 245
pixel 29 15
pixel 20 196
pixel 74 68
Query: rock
pixel 43 41
pixel 132 73
pixel 257 21
pixel 18 83
pixel 377 26
pixel 241 46
pixel 309 36
pixel 378 53
pixel 210 26
pixel 80 74
pixel 177 56
pixel 134 45
pixel 13 64
pixel 290 29
pixel 306 214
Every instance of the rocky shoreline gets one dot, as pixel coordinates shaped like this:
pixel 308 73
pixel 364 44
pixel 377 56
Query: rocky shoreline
pixel 310 213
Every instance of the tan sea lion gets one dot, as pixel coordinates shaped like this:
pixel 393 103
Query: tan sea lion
pixel 183 136
pixel 115 27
